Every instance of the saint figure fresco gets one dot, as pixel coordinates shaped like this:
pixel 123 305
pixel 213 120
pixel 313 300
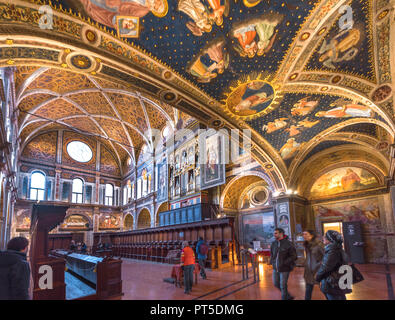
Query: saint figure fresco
pixel 257 36
pixel 202 17
pixel 107 11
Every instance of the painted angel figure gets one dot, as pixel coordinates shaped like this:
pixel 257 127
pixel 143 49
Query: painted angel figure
pixel 304 106
pixel 341 48
pixel 293 130
pixel 277 124
pixel 246 36
pixel 307 123
pixel 202 17
pixel 198 13
pixel 289 148
pixel 215 51
pixel 203 72
pixel 218 11
pixel 347 111
pixel 267 35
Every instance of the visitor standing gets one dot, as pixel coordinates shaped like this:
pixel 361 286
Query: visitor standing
pixel 282 258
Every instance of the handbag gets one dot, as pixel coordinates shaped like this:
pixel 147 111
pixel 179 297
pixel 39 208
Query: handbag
pixel 356 275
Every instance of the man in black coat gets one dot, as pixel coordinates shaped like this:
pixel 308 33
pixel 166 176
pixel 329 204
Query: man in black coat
pixel 15 271
pixel 282 257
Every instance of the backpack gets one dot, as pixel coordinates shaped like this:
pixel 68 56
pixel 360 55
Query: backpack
pixel 203 249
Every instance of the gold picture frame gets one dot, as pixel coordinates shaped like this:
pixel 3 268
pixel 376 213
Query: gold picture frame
pixel 121 30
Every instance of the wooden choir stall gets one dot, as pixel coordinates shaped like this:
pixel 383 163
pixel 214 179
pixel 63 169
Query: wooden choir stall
pixel 163 244
pixel 104 274
pixel 44 218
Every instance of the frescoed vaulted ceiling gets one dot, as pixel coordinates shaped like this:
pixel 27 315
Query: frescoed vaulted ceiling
pixel 304 76
pixel 49 97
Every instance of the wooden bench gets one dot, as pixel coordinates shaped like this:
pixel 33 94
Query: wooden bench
pixel 173 257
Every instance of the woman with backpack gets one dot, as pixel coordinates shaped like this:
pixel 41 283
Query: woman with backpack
pixel 202 250
pixel 328 274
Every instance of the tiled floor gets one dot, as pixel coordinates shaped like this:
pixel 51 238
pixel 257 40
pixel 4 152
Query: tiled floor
pixel 144 281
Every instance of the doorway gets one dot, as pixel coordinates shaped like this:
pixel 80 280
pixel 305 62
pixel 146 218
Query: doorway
pixel 333 225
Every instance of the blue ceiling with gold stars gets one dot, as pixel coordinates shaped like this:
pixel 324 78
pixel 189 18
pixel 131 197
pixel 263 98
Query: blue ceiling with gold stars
pixel 231 48
pixel 354 54
pixel 211 43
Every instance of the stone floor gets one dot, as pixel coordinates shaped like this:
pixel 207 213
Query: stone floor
pixel 144 281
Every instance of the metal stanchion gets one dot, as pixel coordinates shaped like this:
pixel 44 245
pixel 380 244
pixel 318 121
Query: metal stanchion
pixel 246 262
pixel 257 268
pixel 242 262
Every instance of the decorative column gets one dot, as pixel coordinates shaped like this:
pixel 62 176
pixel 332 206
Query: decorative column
pixel 5 208
pixel 98 148
pixel 95 219
pixel 283 215
pixel 97 188
pixel 58 174
pixel 59 147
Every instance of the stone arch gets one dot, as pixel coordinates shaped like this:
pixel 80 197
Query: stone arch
pixel 243 175
pixel 144 219
pixel 82 214
pixel 128 222
pixel 164 206
pixel 345 156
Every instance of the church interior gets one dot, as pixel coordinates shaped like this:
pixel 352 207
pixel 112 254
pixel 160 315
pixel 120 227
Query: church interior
pixel 131 126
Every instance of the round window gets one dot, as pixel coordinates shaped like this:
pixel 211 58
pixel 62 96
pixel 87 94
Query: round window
pixel 79 151
pixel 259 196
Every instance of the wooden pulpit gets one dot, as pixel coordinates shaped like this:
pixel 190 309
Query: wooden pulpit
pixel 44 218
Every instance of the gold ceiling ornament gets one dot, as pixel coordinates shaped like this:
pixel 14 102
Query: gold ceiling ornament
pixel 164 9
pixel 90 36
pixel 382 15
pixel 251 3
pixel 80 62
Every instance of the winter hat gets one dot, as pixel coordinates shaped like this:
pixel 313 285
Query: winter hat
pixel 334 236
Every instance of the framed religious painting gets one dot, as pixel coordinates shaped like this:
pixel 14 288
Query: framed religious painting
pixel 128 27
pixel 162 193
pixel 212 160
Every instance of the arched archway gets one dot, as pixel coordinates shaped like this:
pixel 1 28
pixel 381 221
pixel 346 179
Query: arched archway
pixel 248 198
pixel 144 219
pixel 128 222
pixel 163 207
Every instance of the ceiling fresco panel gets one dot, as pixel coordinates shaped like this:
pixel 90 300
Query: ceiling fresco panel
pixel 108 164
pixel 129 109
pixel 42 147
pixel 93 103
pixel 348 50
pixel 84 124
pixel 61 81
pixel 113 130
pixel 301 117
pixel 22 73
pixel 58 109
pixel 207 42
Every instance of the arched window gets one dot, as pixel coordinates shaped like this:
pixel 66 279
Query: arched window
pixel 77 191
pixel 109 193
pixel 37 186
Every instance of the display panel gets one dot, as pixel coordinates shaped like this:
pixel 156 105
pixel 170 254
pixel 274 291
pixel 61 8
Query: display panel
pixel 259 227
